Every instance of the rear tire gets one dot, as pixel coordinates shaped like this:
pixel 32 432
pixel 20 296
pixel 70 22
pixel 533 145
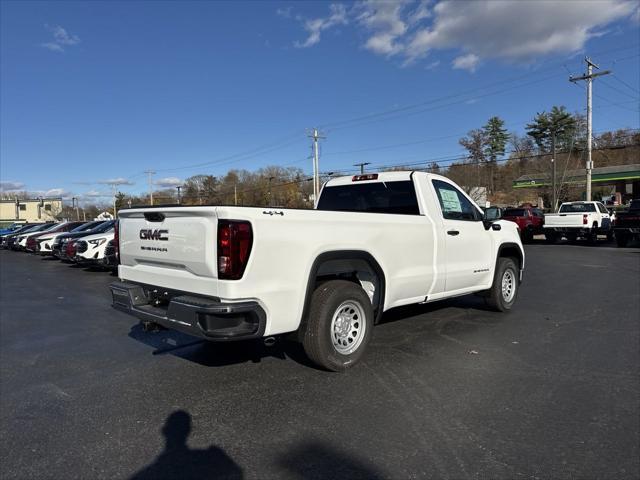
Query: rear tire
pixel 502 294
pixel 551 236
pixel 339 325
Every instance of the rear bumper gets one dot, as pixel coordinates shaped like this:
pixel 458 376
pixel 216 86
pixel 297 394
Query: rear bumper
pixel 203 317
pixel 577 230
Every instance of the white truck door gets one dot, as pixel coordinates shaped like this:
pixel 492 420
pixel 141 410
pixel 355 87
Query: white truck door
pixel 468 246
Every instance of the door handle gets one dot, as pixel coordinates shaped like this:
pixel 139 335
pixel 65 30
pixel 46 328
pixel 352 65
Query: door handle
pixel 453 232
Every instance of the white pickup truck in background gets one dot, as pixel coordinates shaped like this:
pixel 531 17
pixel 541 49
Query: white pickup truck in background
pixel 375 242
pixel 578 219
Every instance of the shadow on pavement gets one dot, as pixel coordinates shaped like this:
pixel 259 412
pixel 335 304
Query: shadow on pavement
pixel 212 354
pixel 219 354
pixel 178 461
pixel 317 460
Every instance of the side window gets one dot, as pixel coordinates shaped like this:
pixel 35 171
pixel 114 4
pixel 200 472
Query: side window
pixel 453 203
pixel 602 208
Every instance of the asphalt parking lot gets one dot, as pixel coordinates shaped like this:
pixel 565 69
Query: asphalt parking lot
pixel 447 390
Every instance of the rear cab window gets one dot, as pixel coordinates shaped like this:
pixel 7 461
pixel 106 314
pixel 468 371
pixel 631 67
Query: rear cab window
pixel 397 197
pixel 577 208
pixel 454 204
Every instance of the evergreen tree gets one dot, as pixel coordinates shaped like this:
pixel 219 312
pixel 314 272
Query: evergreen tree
pixel 496 138
pixel 495 141
pixel 559 122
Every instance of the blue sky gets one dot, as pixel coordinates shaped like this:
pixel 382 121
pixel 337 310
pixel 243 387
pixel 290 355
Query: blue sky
pixel 97 91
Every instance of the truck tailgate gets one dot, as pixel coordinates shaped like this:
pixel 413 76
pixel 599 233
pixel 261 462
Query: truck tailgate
pixel 171 240
pixel 563 220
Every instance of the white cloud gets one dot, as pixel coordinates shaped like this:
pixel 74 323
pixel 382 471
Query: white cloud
pixel 466 62
pixel 517 31
pixel 284 12
pixel 116 181
pixel 384 20
pixel 168 182
pixel 95 193
pixel 314 27
pixel 56 192
pixel 432 65
pixel 514 31
pixel 61 39
pixel 8 185
pixel 54 47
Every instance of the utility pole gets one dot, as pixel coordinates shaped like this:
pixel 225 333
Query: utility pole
pixel 235 193
pixel 553 169
pixel 150 173
pixel 270 180
pixel 179 197
pixel 74 205
pixel 589 79
pixel 315 135
pixel 361 165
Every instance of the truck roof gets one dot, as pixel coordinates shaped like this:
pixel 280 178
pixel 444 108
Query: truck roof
pixel 395 176
pixel 379 177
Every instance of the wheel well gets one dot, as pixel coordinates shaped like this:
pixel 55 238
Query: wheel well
pixel 354 266
pixel 511 250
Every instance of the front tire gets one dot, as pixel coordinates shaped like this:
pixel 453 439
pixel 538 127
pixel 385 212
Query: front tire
pixel 339 325
pixel 503 292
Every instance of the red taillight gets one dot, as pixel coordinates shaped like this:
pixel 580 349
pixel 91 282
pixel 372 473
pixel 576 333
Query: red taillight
pixel 116 239
pixel 361 178
pixel 235 239
pixel 584 218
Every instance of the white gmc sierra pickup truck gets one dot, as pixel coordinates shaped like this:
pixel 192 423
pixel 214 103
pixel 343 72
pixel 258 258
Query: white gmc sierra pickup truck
pixel 374 242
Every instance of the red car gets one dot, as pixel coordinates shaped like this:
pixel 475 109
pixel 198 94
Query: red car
pixel 530 220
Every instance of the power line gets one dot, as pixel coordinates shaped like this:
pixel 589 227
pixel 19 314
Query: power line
pixel 391 114
pixel 616 77
pixel 616 89
pixel 336 124
pixel 466 157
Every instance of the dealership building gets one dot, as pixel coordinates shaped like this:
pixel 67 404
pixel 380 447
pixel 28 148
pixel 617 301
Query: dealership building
pixel 30 210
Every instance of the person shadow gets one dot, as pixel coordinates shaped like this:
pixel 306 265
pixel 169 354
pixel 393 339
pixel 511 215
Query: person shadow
pixel 177 460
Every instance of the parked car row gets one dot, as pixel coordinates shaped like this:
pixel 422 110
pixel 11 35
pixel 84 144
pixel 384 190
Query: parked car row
pixel 586 220
pixel 85 243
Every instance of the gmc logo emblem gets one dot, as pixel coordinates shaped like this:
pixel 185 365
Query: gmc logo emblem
pixel 148 234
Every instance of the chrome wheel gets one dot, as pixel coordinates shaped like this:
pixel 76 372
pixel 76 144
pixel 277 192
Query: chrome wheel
pixel 508 285
pixel 348 327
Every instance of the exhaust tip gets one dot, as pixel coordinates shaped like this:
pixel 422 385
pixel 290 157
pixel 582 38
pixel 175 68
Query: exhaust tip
pixel 269 341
